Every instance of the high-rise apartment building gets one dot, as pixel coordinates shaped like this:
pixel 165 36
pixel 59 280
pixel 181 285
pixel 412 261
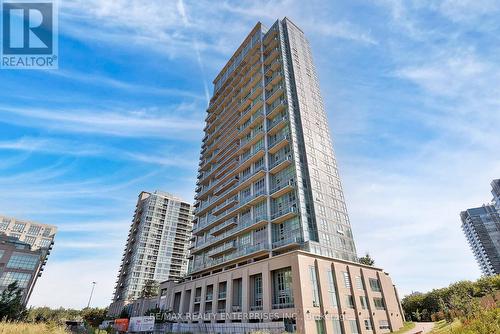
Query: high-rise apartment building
pixel 157 246
pixel 482 229
pixel 268 179
pixel 272 246
pixel 24 250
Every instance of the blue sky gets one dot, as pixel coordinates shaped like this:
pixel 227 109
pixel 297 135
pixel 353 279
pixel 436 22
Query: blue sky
pixel 412 94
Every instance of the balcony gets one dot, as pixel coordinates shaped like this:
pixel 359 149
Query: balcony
pixel 273 79
pixel 279 142
pixel 281 163
pixel 251 139
pixel 276 106
pixel 275 64
pixel 250 122
pixel 222 227
pixel 272 42
pixel 251 109
pixel 222 249
pixel 284 214
pixel 226 204
pixel 282 189
pixel 250 157
pixel 220 188
pixel 274 93
pixel 256 174
pixel 288 242
pixel 277 124
pixel 270 55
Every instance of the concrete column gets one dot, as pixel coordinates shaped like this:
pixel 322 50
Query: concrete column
pixel 203 296
pixel 266 289
pixel 191 302
pixel 245 294
pixel 215 297
pixel 229 295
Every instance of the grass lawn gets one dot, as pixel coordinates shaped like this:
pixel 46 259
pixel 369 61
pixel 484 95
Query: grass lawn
pixel 444 327
pixel 25 328
pixel 407 326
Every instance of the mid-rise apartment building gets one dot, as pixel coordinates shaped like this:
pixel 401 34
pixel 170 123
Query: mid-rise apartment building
pixel 24 249
pixel 482 229
pixel 156 248
pixel 272 243
pixel 20 263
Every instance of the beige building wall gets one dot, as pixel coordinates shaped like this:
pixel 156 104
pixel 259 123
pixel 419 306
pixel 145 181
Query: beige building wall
pixel 305 313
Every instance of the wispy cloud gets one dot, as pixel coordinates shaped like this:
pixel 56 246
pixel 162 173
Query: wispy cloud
pixel 141 123
pixel 130 87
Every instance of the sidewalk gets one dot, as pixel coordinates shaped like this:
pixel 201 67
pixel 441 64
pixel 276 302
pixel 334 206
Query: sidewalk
pixel 425 327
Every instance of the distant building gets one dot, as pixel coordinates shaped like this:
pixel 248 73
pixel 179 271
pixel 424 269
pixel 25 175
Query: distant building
pixel 156 248
pixel 19 262
pixel 24 249
pixel 38 236
pixel 482 229
pixel 495 190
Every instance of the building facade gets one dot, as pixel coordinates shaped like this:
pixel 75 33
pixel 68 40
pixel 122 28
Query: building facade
pixel 272 248
pixel 295 292
pixel 268 180
pixel 25 248
pixel 20 263
pixel 482 229
pixel 156 248
pixel 38 236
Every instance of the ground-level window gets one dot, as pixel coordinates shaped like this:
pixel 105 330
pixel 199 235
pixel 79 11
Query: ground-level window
pixel 320 326
pixel 354 327
pixel 383 324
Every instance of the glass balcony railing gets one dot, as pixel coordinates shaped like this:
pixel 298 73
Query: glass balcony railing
pixel 281 212
pixel 279 138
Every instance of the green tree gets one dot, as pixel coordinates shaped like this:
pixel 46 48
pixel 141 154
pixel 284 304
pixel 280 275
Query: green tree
pixel 367 260
pixel 11 305
pixel 94 316
pixel 150 289
pixel 124 313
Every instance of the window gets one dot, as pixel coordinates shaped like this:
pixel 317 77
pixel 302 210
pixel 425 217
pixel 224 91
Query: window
pixel 4 224
pixel 359 283
pixel 246 239
pixel 331 289
pixel 379 303
pixel 363 302
pixel 29 240
pixel 320 326
pixel 314 282
pixel 1 253
pixel 256 295
pixel 368 325
pixel 336 327
pixel 34 230
pixel 18 227
pixel 347 280
pixel 349 301
pixel 10 277
pixel 383 324
pixel 354 327
pixel 375 285
pixel 282 288
pixel 45 243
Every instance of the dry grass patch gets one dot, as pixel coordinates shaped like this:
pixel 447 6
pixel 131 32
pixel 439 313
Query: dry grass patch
pixel 27 328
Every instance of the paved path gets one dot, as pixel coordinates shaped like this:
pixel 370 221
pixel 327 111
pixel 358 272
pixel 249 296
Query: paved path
pixel 425 327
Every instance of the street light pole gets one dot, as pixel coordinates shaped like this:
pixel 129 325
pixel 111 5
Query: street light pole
pixel 91 293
